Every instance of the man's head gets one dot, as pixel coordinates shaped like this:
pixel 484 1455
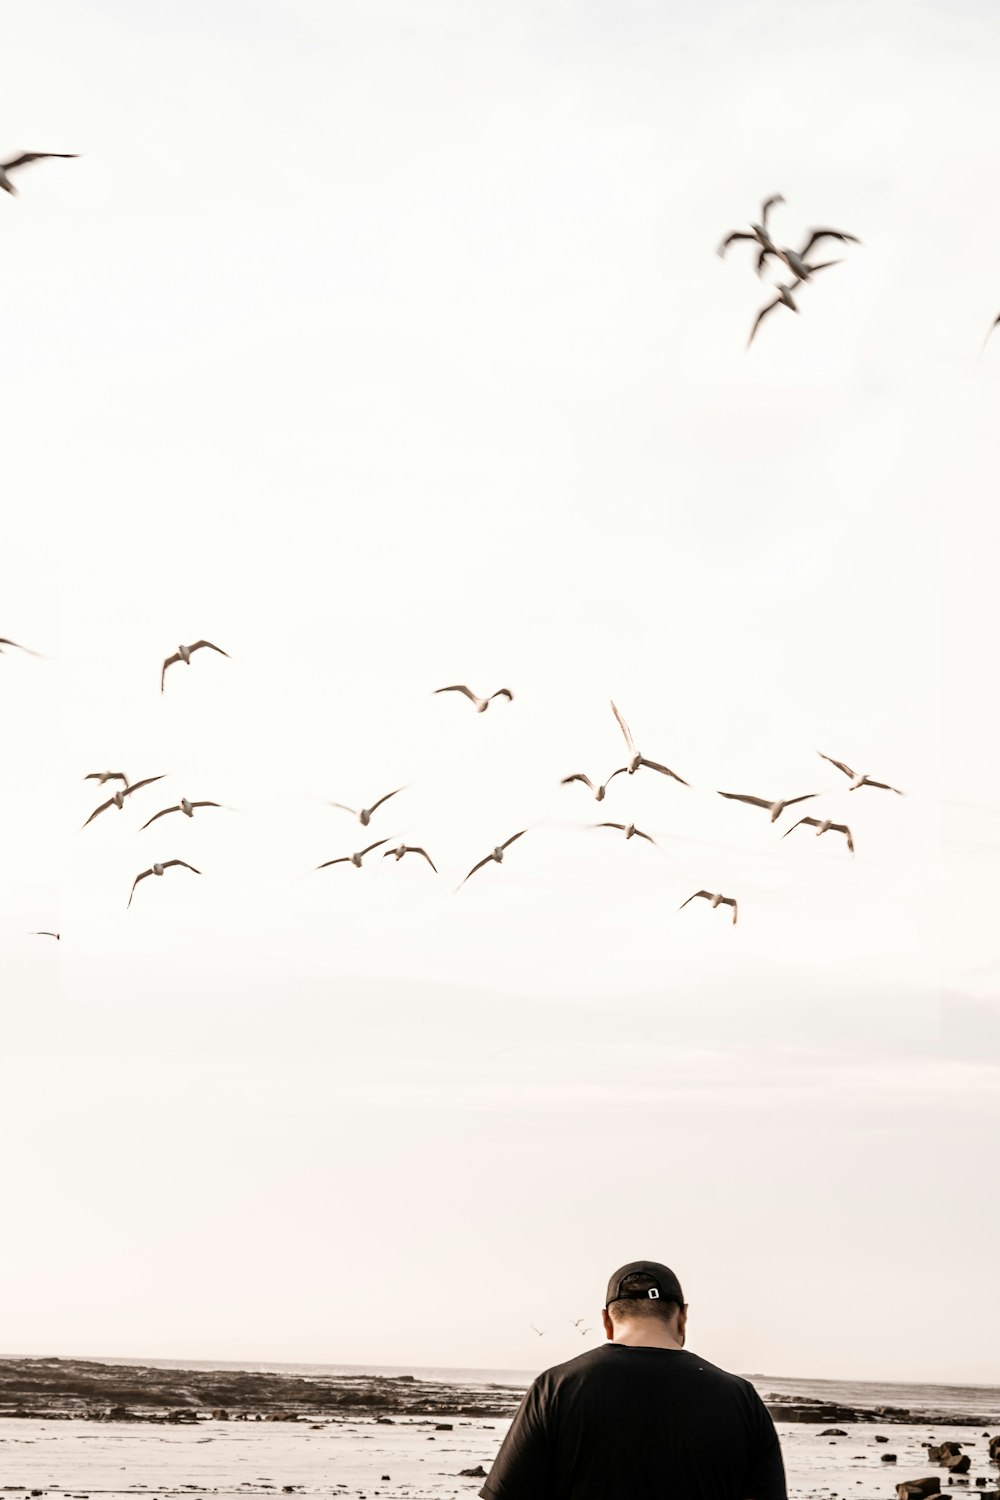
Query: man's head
pixel 645 1304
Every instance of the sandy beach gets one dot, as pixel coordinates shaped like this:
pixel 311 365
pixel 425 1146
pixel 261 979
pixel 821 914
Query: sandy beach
pixel 89 1429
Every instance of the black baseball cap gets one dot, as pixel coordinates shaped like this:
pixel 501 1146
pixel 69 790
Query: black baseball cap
pixel 665 1283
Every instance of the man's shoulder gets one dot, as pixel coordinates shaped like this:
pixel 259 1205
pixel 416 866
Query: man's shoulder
pixel 594 1363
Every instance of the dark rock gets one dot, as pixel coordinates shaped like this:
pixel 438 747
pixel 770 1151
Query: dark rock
pixel 385 1421
pixel 957 1463
pixel 220 1414
pixel 833 1432
pixel 918 1489
pixel 880 1439
pixel 477 1473
pixel 888 1458
pixel 443 1427
pixel 994 1448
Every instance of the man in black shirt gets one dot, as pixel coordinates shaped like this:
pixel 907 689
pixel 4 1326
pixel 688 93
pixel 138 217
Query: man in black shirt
pixel 639 1418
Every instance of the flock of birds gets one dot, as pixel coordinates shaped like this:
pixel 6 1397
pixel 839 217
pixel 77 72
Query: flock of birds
pixel 759 234
pixel 635 762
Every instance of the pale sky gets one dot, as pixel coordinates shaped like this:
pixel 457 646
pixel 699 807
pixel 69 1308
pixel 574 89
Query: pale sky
pixel 386 346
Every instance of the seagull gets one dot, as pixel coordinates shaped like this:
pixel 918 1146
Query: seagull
pixel 986 340
pixel 795 260
pixel 635 759
pixel 774 808
pixel 784 297
pixel 482 704
pixel 364 814
pixel 158 869
pixel 598 791
pixel 629 830
pixel 118 800
pixel 22 161
pixel 26 649
pixel 183 653
pixel 823 827
pixel 716 900
pixel 402 849
pixel 183 806
pixel 352 859
pixel 856 780
pixel 46 934
pixel 497 855
pixel 759 232
pixel 103 776
pixel 539 1331
pixel 585 1331
pixel 575 1322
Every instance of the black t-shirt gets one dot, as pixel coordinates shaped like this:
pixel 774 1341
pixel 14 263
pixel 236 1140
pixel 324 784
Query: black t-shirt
pixel 621 1423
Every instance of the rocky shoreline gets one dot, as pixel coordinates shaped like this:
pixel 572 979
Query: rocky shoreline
pixel 61 1389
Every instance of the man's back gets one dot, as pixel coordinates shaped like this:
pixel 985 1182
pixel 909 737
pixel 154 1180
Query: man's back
pixel 628 1423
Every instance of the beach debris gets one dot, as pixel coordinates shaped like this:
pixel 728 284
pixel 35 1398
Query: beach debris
pixel 118 799
pixel 364 814
pixel 636 759
pixel 481 704
pixel 821 826
pixel 158 869
pixel 184 654
pixel 717 899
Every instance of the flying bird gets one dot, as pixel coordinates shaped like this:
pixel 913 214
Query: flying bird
pixel 103 776
pixel 774 808
pixel 758 232
pixel 785 298
pixel 993 325
pixel 481 704
pixel 13 162
pixel 598 791
pixel 352 859
pixel 795 260
pixel 575 1322
pixel 629 830
pixel 539 1331
pixel 823 826
pixel 26 649
pixel 184 654
pixel 183 806
pixel 715 899
pixel 497 855
pixel 364 814
pixel 402 849
pixel 118 800
pixel 856 780
pixel 158 869
pixel 46 934
pixel 635 759
pixel 584 1331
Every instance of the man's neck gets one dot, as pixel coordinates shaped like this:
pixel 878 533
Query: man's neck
pixel 635 1337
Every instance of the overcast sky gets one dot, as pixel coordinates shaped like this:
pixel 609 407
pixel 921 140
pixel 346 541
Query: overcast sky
pixel 385 345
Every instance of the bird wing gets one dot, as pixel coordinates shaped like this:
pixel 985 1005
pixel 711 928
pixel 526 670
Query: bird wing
pixel 212 647
pixel 621 771
pixel 385 799
pixel 426 856
pixel 98 810
pixel 826 234
pixel 512 838
pixel 27 156
pixel 501 693
pixel 482 862
pixel 147 781
pixel 765 251
pixel 168 862
pixel 344 808
pixel 993 325
pixel 767 205
pixel 791 801
pixel 577 776
pixel 18 647
pixel 843 828
pixel 161 814
pixel 822 266
pixel 740 797
pixel 206 804
pixel 813 823
pixel 459 687
pixel 760 318
pixel 611 825
pixel 885 787
pixel 838 763
pixel 624 727
pixel 707 894
pixel 737 234
pixel 135 883
pixel 648 837
pixel 731 901
pixel 344 859
pixel 45 934
pixel 168 663
pixel 377 844
pixel 653 765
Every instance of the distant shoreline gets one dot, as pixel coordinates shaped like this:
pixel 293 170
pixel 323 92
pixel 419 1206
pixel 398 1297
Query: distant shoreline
pixel 95 1390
